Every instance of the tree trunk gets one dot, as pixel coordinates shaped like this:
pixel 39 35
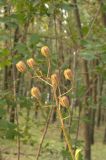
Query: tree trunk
pixel 16 38
pixel 94 100
pixel 103 12
pixel 87 146
pixel 99 109
pixel 87 149
pixel 104 139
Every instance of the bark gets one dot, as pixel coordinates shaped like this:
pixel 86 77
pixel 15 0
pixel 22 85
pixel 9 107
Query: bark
pixel 103 12
pixel 94 99
pixel 54 115
pixel 104 139
pixel 87 148
pixel 5 78
pixel 99 109
pixel 6 45
pixel 16 38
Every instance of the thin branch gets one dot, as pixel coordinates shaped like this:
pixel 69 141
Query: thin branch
pixel 66 92
pixel 93 22
pixel 42 79
pixel 67 138
pixel 44 134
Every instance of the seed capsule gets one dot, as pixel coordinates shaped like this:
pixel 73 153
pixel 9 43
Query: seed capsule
pixel 64 101
pixel 45 51
pixel 35 92
pixel 31 62
pixel 21 67
pixel 68 74
pixel 55 80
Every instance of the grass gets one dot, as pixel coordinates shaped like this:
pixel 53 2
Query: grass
pixel 52 146
pixel 99 149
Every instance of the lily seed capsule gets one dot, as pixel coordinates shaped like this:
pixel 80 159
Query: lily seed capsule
pixel 55 80
pixel 21 67
pixel 68 74
pixel 35 92
pixel 64 101
pixel 45 51
pixel 31 62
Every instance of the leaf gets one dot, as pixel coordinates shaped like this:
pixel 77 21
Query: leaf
pixel 2 102
pixel 22 48
pixel 2 2
pixel 66 6
pixel 7 62
pixel 4 52
pixel 2 112
pixel 87 55
pixel 78 155
pixel 103 100
pixel 25 102
pixel 4 37
pixel 66 154
pixel 34 39
pixel 12 25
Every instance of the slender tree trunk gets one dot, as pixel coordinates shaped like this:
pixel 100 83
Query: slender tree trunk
pixel 87 148
pixel 104 139
pixel 99 109
pixel 16 38
pixel 94 99
pixel 102 11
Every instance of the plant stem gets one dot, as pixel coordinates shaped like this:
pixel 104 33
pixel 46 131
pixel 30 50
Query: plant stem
pixel 17 120
pixel 67 138
pixel 44 134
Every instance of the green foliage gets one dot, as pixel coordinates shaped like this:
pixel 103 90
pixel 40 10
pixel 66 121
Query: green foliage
pixel 78 155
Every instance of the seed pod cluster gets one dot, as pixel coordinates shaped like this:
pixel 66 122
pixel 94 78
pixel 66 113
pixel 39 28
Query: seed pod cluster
pixel 35 92
pixel 21 67
pixel 45 51
pixel 55 80
pixel 31 62
pixel 64 101
pixel 68 74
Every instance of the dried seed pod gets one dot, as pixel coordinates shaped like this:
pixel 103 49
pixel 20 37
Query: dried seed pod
pixel 31 62
pixel 68 74
pixel 64 101
pixel 21 67
pixel 45 51
pixel 55 80
pixel 35 92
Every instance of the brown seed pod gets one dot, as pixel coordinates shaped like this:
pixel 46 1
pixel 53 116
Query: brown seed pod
pixel 68 74
pixel 31 62
pixel 45 51
pixel 21 67
pixel 64 101
pixel 35 92
pixel 55 80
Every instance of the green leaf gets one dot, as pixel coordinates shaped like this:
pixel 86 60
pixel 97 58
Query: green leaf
pixel 2 102
pixel 25 102
pixel 2 2
pixel 78 155
pixel 34 39
pixel 22 48
pixel 4 37
pixel 87 55
pixel 2 112
pixel 66 6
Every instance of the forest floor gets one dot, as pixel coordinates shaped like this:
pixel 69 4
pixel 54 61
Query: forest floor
pixel 52 146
